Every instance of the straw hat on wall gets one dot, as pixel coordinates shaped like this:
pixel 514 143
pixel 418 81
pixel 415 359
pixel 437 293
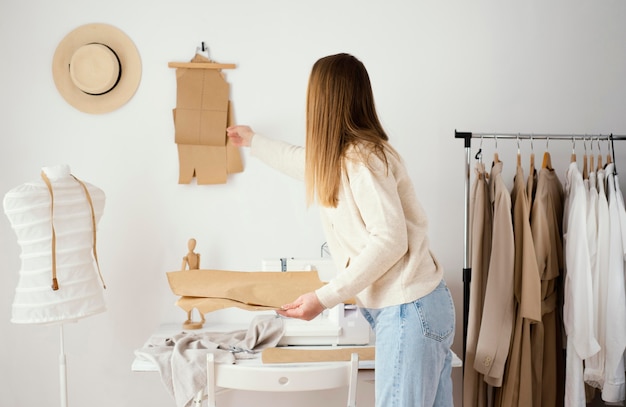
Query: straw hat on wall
pixel 96 68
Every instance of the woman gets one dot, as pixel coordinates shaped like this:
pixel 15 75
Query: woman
pixel 376 231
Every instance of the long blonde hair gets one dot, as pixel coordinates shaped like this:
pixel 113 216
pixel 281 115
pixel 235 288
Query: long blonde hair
pixel 340 113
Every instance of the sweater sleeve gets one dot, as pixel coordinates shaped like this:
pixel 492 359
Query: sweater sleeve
pixel 282 156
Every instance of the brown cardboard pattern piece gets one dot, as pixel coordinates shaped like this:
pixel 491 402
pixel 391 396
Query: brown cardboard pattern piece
pixel 199 127
pixel 201 89
pixel 206 305
pixel 201 107
pixel 206 163
pixel 202 114
pixel 292 355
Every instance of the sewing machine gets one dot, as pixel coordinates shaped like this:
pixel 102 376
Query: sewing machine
pixel 341 325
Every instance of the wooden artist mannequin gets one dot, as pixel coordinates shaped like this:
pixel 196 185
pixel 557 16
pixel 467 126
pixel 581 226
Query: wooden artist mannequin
pixel 192 261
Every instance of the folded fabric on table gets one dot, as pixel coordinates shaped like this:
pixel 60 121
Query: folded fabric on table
pixel 181 358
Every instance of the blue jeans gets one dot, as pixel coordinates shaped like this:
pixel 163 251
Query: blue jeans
pixel 413 356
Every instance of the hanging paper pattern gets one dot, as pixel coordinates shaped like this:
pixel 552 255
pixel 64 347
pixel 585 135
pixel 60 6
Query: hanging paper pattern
pixel 202 114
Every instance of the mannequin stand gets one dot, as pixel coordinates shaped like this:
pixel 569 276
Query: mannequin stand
pixel 63 370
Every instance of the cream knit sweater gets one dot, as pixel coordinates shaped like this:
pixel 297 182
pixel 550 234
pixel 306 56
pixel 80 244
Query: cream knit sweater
pixel 377 234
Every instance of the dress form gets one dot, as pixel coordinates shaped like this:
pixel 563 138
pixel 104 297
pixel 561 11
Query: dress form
pixel 33 218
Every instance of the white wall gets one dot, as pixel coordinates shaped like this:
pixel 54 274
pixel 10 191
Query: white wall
pixel 534 66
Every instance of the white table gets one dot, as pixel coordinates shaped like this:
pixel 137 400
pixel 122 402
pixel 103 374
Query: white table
pixel 366 367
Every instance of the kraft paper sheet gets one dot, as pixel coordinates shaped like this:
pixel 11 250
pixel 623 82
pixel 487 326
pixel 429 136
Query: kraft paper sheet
pixel 209 290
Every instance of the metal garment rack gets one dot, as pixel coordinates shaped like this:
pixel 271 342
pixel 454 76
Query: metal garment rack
pixel 468 136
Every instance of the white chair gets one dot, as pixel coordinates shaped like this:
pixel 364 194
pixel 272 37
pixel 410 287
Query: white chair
pixel 283 377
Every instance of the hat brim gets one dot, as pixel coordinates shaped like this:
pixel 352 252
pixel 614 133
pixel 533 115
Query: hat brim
pixel 130 64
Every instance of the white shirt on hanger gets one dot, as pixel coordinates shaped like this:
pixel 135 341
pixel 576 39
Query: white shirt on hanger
pixel 578 300
pixel 594 366
pixel 614 386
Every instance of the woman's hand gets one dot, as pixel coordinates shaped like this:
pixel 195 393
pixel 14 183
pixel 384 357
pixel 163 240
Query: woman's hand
pixel 306 307
pixel 241 136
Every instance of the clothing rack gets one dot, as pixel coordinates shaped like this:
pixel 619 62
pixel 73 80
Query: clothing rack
pixel 468 136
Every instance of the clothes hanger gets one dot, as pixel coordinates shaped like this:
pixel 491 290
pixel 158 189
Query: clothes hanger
pixel 613 154
pixel 573 156
pixel 599 155
pixel 547 160
pixel 201 61
pixel 479 153
pixel 496 158
pixel 591 157
pixel 481 173
pixel 585 168
pixel 611 159
pixel 532 155
pixel 519 154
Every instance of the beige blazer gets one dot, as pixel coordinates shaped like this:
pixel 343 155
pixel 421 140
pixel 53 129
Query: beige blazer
pixel 474 386
pixel 546 225
pixel 517 387
pixel 498 316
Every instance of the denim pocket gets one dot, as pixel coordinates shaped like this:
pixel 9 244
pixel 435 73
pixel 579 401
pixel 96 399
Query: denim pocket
pixel 436 312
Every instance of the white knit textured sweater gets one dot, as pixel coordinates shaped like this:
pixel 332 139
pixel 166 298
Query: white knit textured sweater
pixel 377 234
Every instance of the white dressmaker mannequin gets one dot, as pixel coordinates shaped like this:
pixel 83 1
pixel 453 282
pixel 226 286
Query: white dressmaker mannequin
pixel 54 219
